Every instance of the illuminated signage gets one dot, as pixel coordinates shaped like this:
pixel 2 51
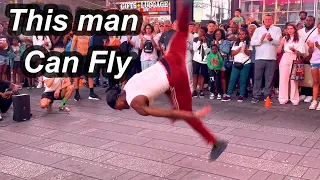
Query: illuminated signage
pixel 148 7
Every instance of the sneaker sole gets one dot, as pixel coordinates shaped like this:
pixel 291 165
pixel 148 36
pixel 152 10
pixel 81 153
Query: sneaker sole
pixel 211 98
pixel 202 97
pixel 91 98
pixel 240 101
pixel 226 100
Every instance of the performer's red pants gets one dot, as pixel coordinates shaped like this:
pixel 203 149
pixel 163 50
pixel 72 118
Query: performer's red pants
pixel 180 93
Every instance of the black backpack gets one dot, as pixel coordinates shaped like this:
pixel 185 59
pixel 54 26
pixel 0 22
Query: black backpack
pixel 148 47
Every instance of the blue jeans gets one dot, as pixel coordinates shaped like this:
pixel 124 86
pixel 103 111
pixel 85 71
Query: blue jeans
pixel 146 64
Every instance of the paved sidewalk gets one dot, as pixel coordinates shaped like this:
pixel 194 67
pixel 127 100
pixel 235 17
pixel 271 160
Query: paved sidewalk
pixel 95 142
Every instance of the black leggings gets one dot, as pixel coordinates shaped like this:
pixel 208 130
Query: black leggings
pixel 5 104
pixel 215 81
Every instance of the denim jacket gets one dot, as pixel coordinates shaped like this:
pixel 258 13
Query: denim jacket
pixel 225 48
pixel 12 55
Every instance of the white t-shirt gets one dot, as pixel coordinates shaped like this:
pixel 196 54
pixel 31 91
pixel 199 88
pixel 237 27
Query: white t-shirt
pixel 149 56
pixel 304 35
pixel 299 46
pixel 55 85
pixel 241 57
pixel 151 83
pixel 315 59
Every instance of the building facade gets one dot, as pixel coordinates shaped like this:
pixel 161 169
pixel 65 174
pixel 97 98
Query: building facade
pixel 155 10
pixel 217 10
pixel 283 11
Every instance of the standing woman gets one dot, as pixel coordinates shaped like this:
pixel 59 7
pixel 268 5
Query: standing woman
pixel 149 47
pixel 293 46
pixel 241 51
pixel 315 69
pixel 224 46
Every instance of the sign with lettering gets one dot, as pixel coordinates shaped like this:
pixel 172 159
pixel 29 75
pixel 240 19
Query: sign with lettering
pixel 160 7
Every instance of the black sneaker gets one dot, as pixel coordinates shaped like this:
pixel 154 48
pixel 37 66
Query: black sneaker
pixel 218 149
pixel 194 94
pixel 254 100
pixel 201 94
pixel 93 96
pixel 104 85
pixel 77 97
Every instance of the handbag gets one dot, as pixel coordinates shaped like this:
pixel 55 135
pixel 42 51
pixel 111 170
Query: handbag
pixel 240 65
pixel 308 80
pixel 297 71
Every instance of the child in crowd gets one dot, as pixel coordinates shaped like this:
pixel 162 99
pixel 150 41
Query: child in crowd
pixel 15 54
pixel 215 62
pixel 237 17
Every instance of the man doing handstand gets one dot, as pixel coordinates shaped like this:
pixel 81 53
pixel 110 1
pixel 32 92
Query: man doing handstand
pixel 169 76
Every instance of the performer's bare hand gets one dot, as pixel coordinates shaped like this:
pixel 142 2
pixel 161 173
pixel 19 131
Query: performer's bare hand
pixel 203 112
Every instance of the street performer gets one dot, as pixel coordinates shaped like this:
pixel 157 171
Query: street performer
pixel 169 76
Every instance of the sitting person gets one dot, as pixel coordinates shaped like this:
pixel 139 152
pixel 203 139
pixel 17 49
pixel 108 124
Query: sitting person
pixel 6 97
pixel 56 89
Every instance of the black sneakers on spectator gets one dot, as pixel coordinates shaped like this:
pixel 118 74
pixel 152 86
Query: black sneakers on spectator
pixel 255 100
pixel 77 97
pixel 93 96
pixel 218 149
pixel 194 94
pixel 201 94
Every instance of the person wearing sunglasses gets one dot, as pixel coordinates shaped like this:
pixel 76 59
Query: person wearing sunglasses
pixel 169 76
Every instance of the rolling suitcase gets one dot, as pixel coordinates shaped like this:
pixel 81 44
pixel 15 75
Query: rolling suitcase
pixel 21 107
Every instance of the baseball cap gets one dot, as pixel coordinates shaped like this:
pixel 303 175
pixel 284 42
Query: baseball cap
pixel 112 96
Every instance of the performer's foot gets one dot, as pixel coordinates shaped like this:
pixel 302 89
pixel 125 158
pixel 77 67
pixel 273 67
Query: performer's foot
pixel 218 149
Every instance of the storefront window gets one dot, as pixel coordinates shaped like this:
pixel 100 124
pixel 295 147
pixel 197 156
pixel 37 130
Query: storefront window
pixel 308 4
pixel 211 10
pixel 283 5
pixel 283 10
pixel 246 6
pixel 293 16
pixel 281 18
pixel 270 5
pixel 294 5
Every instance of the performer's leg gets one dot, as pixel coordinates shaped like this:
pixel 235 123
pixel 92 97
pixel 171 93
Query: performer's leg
pixel 181 99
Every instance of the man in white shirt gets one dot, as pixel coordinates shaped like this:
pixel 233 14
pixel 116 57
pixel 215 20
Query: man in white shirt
pixel 306 34
pixel 266 39
pixel 169 76
pixel 56 89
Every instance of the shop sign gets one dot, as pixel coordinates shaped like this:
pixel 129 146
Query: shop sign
pixel 156 7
